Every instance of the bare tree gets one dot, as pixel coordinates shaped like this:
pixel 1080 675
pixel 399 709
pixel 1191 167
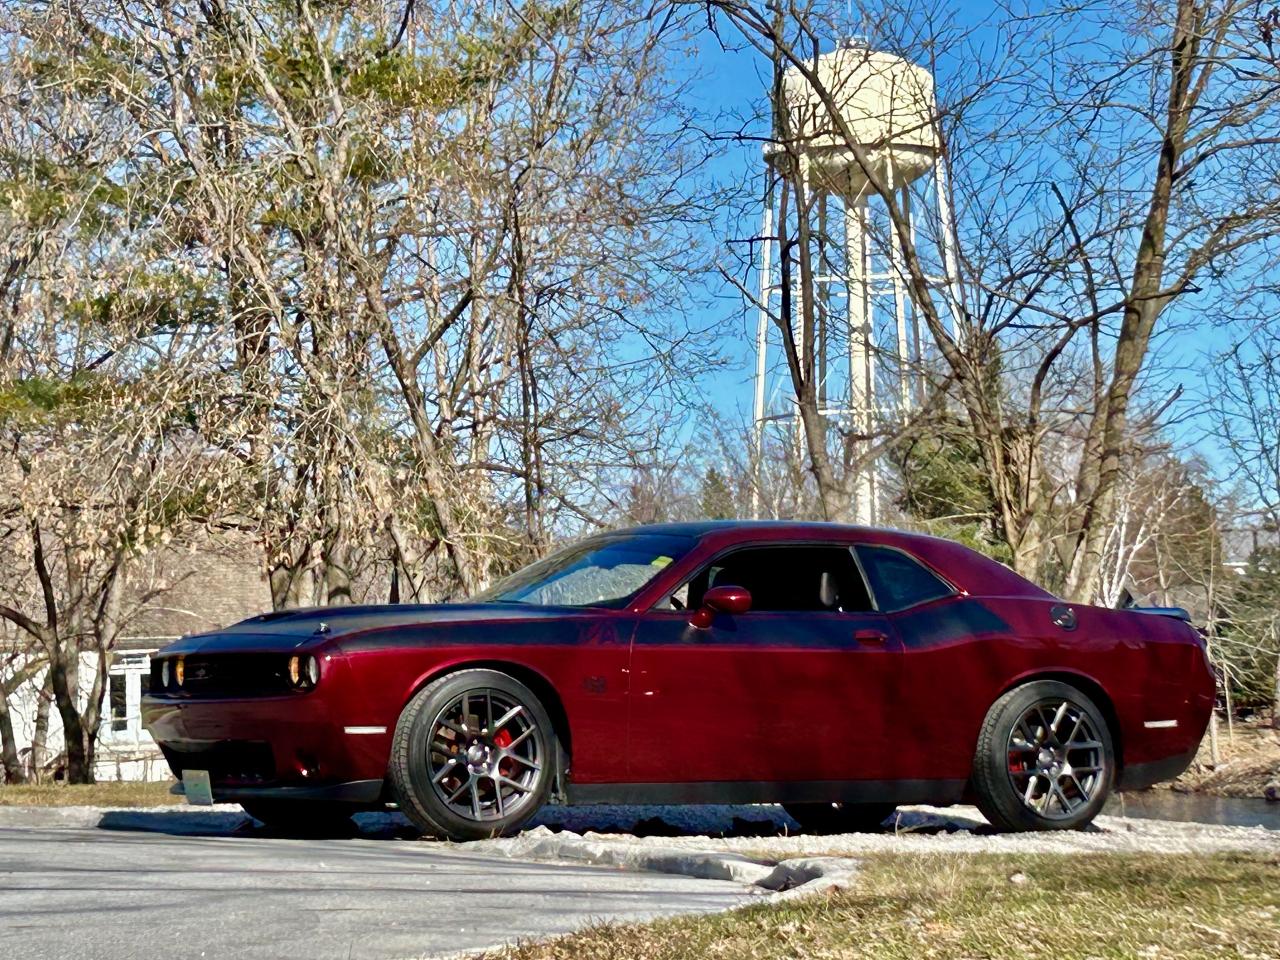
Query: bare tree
pixel 1070 258
pixel 433 254
pixel 99 457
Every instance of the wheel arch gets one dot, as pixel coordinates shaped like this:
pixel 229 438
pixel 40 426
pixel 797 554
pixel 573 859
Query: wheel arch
pixel 534 679
pixel 1091 688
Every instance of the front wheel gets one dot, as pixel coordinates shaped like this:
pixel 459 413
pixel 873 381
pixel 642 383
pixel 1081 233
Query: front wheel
pixel 473 756
pixel 1044 760
pixel 840 817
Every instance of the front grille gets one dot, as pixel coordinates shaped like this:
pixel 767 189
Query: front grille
pixel 228 761
pixel 224 675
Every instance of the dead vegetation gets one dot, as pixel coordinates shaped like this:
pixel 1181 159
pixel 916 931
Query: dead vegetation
pixel 980 906
pixel 1248 761
pixel 114 794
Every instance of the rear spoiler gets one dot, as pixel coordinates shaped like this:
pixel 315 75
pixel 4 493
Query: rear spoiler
pixel 1126 603
pixel 1178 613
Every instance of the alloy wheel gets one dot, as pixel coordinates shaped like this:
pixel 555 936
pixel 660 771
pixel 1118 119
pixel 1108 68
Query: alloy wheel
pixel 484 756
pixel 1057 762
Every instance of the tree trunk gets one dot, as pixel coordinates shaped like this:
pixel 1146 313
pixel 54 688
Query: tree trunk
pixel 336 562
pixel 1144 306
pixel 106 628
pixel 13 772
pixel 64 696
pixel 40 733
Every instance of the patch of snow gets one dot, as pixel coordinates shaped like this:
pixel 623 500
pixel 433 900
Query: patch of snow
pixel 767 832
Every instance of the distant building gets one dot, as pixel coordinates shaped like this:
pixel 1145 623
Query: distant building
pixel 174 592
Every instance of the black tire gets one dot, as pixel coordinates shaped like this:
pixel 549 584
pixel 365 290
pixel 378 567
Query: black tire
pixel 827 818
pixel 304 818
pixel 417 760
pixel 1021 762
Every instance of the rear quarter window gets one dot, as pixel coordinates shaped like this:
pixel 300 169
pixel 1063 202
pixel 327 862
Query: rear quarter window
pixel 899 581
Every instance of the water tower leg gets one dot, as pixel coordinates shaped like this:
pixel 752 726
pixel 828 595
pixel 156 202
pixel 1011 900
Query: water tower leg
pixel 861 371
pixel 899 299
pixel 762 351
pixel 947 240
pixel 798 293
pixel 821 294
pixel 916 374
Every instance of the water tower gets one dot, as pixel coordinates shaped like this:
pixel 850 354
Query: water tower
pixel 867 330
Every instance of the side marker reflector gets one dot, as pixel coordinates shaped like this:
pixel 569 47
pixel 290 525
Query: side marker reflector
pixel 365 729
pixel 1160 724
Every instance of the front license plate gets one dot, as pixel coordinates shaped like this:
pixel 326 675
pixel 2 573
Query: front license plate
pixel 196 785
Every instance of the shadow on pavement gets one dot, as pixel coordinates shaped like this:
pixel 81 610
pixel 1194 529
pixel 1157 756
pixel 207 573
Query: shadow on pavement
pixel 647 821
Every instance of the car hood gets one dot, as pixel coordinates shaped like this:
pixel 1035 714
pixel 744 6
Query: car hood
pixel 285 630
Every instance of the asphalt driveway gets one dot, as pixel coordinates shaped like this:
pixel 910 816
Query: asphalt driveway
pixel 74 891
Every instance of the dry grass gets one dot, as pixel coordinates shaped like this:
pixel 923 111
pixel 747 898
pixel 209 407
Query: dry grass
pixel 1049 906
pixel 93 794
pixel 1249 760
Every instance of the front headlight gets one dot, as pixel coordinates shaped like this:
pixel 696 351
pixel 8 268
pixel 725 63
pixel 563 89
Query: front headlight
pixel 164 674
pixel 304 671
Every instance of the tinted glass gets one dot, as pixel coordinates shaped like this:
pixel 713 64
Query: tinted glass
pixel 822 579
pixel 601 572
pixel 897 580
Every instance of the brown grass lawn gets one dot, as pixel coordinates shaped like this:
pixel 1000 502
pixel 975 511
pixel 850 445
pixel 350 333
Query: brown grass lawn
pixel 1056 907
pixel 94 794
pixel 1249 759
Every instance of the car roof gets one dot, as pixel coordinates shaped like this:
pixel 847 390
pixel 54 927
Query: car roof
pixel 969 570
pixel 784 529
pixel 697 528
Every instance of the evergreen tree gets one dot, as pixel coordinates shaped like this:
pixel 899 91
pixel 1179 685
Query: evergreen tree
pixel 715 499
pixel 1248 647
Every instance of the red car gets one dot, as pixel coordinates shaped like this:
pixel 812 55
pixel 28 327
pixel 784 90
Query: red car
pixel 839 671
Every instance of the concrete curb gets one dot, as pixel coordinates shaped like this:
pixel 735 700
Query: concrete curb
pixel 795 877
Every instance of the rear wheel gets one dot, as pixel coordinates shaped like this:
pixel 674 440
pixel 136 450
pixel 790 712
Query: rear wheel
pixel 473 756
pixel 840 817
pixel 1045 759
pixel 302 817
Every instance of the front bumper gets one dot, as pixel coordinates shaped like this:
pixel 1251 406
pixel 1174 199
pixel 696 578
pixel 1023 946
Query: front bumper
pixel 298 746
pixel 366 792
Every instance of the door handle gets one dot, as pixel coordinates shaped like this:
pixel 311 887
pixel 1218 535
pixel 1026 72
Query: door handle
pixel 870 637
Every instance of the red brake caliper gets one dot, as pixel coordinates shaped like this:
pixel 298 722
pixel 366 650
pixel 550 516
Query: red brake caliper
pixel 503 739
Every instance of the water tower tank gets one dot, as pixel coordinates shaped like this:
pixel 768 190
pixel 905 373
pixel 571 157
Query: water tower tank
pixel 887 103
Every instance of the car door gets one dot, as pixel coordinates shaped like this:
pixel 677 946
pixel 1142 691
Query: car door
pixel 945 676
pixel 796 689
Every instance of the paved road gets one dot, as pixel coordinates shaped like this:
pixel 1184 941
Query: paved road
pixel 81 892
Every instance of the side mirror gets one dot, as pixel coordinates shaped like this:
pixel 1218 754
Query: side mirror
pixel 720 600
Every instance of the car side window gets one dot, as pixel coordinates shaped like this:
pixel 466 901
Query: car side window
pixel 897 580
pixel 783 578
pixel 679 599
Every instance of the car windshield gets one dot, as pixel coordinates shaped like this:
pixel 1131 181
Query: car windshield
pixel 600 572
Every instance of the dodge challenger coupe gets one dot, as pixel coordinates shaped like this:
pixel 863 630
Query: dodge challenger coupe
pixel 839 671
